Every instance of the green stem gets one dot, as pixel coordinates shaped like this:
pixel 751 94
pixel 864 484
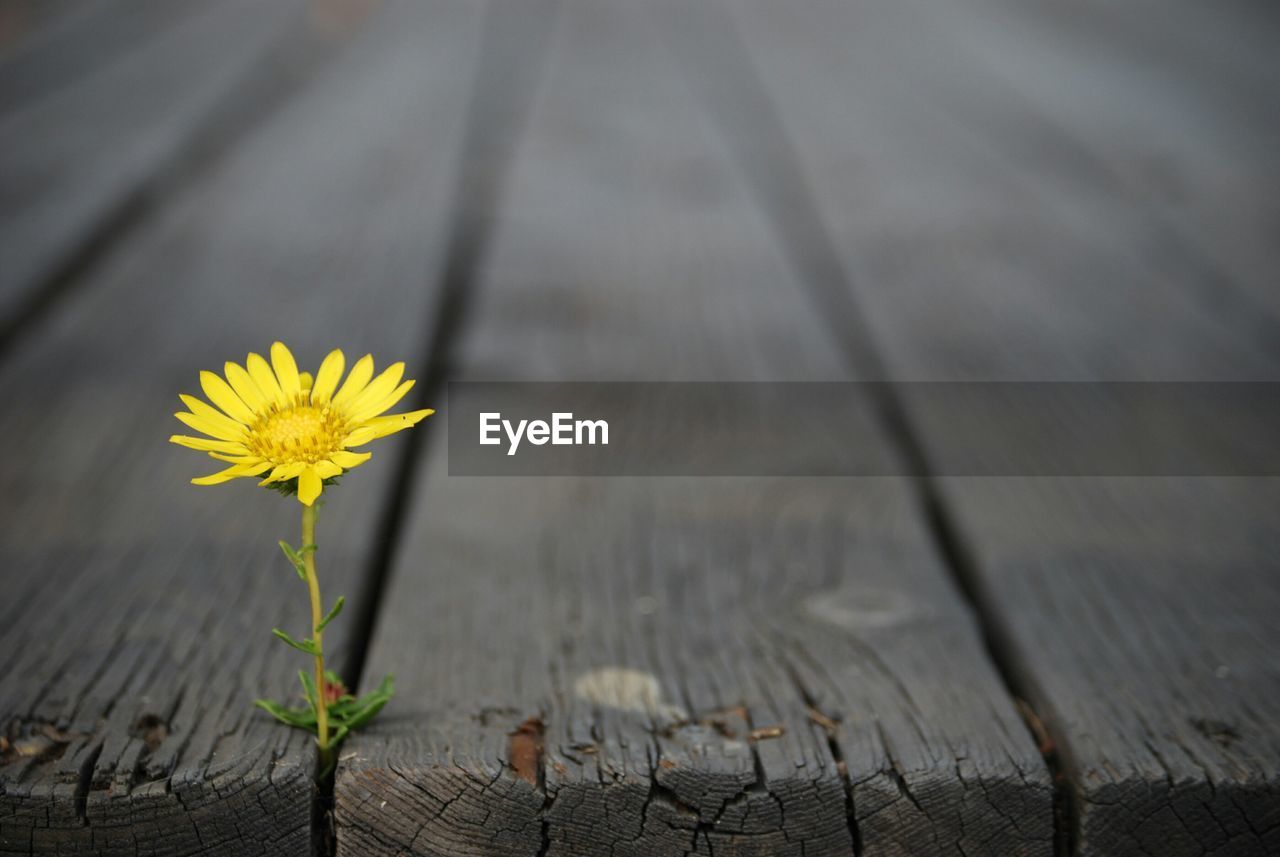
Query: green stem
pixel 317 614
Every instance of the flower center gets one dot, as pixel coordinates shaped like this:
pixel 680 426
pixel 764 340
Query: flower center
pixel 297 433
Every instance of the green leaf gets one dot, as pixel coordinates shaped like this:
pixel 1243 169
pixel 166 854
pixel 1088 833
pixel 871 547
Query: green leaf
pixel 306 645
pixel 296 717
pixel 332 614
pixel 293 557
pixel 362 710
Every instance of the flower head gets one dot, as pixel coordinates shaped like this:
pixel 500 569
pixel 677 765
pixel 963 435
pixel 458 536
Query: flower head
pixel 272 420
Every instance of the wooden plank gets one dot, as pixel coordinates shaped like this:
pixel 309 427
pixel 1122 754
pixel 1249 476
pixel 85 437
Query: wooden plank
pixel 1174 122
pixel 1138 614
pixel 82 160
pixel 23 22
pixel 42 52
pixel 137 612
pixel 582 663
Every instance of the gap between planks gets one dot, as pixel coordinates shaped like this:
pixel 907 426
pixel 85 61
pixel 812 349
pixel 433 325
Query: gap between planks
pixel 506 74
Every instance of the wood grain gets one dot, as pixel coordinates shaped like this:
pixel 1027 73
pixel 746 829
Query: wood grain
pixel 1139 614
pixel 45 48
pixel 137 610
pixel 668 666
pixel 83 156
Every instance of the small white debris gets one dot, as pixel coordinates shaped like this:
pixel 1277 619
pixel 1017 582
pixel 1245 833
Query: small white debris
pixel 627 690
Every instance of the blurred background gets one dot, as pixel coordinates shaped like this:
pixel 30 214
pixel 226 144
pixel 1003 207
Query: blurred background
pixel 669 190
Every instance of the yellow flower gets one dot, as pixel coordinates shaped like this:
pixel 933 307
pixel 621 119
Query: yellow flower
pixel 277 421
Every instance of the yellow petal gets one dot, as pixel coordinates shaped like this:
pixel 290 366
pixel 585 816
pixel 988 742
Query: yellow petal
pixel 305 379
pixel 224 397
pixel 285 472
pixel 347 460
pixel 372 408
pixel 392 423
pixel 216 478
pixel 359 437
pixel 208 427
pixel 262 375
pixel 206 445
pixel 309 486
pixel 230 473
pixel 327 469
pixel 379 388
pixel 208 412
pixel 236 459
pixel 356 381
pixel 286 370
pixel 244 387
pixel 327 377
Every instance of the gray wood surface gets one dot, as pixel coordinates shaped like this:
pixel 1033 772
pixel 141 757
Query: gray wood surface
pixel 633 666
pixel 83 157
pixel 592 189
pixel 49 45
pixel 1138 614
pixel 135 623
pixel 1171 125
pixel 1176 113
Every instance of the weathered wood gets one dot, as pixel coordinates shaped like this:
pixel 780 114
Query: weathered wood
pixel 24 22
pixel 1176 115
pixel 42 51
pixel 135 626
pixel 672 666
pixel 80 160
pixel 1172 124
pixel 1139 615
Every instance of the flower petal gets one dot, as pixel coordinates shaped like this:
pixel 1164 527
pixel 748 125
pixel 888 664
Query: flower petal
pixel 359 437
pixel 262 375
pixel 392 423
pixel 372 409
pixel 379 388
pixel 213 429
pixel 244 387
pixel 230 473
pixel 347 460
pixel 356 381
pixel 236 459
pixel 286 370
pixel 309 486
pixel 327 377
pixel 213 416
pixel 205 445
pixel 327 469
pixel 284 472
pixel 224 397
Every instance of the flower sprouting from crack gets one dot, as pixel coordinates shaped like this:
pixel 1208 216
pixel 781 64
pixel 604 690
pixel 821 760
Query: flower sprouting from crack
pixel 299 433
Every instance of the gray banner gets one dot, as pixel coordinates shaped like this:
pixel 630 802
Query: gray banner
pixel 845 429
